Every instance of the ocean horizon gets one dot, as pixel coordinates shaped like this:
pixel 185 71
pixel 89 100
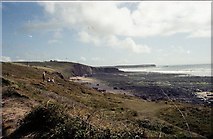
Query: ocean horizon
pixel 185 69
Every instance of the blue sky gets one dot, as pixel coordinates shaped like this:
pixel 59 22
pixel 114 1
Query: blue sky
pixel 107 33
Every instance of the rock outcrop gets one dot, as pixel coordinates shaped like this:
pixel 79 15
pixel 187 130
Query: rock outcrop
pixel 80 70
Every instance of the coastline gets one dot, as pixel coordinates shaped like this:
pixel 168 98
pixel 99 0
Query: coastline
pixel 157 86
pixel 187 70
pixel 99 85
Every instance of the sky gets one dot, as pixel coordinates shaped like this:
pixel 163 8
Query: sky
pixel 107 33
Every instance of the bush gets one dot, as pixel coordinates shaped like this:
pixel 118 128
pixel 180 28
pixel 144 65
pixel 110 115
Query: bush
pixel 40 121
pixel 132 113
pixel 4 82
pixel 12 93
pixel 147 124
pixel 50 121
pixel 155 126
pixel 167 129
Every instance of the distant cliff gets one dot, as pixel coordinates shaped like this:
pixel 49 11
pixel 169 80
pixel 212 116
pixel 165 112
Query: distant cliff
pixel 80 70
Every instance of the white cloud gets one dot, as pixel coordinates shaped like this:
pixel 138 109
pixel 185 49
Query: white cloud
pixel 148 19
pixel 127 43
pixel 200 33
pixel 168 18
pixel 188 51
pixel 105 23
pixel 83 58
pixel 114 42
pixel 5 59
pixel 87 38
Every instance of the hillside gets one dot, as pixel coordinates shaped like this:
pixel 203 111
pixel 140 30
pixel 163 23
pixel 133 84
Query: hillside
pixel 72 110
pixel 70 69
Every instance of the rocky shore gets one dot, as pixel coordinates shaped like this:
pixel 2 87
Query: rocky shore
pixel 157 86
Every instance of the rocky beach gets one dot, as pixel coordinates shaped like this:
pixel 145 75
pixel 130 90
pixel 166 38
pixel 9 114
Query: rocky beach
pixel 158 86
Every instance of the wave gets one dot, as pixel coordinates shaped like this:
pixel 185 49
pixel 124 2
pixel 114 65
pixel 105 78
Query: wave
pixel 192 70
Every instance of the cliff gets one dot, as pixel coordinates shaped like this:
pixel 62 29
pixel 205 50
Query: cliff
pixel 71 69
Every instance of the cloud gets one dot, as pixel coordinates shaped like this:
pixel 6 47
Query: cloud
pixel 127 43
pixel 200 33
pixel 87 38
pixel 5 59
pixel 188 51
pixel 83 58
pixel 148 19
pixel 168 18
pixel 117 25
pixel 114 42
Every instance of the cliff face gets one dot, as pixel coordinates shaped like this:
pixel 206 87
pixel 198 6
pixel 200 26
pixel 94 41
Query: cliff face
pixel 80 70
pixel 106 70
pixel 68 69
pixel 71 69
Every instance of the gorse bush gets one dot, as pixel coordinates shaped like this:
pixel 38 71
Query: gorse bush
pixel 156 126
pixel 41 121
pixel 51 121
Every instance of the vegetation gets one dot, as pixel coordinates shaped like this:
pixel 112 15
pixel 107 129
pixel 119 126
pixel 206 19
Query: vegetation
pixel 64 109
pixel 198 119
pixel 51 121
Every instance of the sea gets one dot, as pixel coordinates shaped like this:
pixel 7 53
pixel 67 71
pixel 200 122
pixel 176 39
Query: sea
pixel 188 70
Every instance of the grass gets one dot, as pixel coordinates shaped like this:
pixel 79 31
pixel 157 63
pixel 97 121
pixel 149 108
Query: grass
pixel 198 118
pixel 51 121
pixel 66 68
pixel 104 115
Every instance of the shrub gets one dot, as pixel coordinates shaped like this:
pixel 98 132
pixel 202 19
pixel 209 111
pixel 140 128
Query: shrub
pixel 132 113
pixel 51 121
pixel 167 129
pixel 4 82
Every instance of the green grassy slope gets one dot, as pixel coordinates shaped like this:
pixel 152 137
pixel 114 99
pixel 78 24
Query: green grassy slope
pixel 24 94
pixel 69 68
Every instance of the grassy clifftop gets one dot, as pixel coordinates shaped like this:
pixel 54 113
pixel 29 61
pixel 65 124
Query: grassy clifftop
pixel 71 69
pixel 75 111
